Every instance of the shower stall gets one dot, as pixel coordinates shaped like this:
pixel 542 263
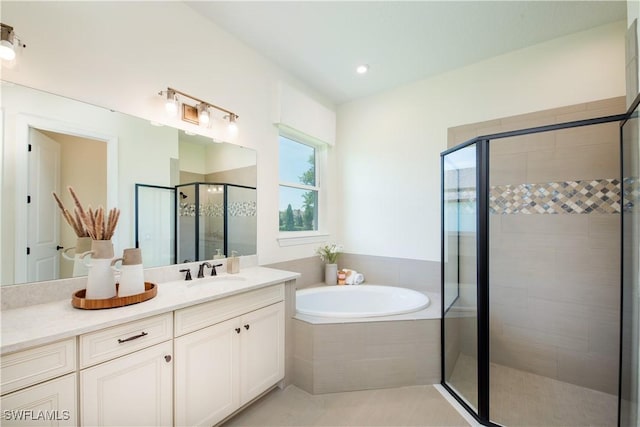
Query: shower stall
pixel 194 222
pixel 215 219
pixel 540 237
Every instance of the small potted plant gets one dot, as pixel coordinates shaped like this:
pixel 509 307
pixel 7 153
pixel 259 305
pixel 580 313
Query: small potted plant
pixel 329 254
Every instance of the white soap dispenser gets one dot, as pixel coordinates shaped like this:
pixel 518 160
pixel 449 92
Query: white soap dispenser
pixel 218 255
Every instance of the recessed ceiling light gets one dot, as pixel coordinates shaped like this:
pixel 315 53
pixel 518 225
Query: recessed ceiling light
pixel 362 69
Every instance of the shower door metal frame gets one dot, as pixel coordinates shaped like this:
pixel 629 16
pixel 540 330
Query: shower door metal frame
pixel 632 113
pixel 482 255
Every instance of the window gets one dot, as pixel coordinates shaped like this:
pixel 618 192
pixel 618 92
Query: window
pixel 298 186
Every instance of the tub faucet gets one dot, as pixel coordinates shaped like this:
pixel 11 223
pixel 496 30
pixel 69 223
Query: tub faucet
pixel 201 269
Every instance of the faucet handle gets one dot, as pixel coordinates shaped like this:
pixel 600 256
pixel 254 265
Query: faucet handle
pixel 213 269
pixel 188 271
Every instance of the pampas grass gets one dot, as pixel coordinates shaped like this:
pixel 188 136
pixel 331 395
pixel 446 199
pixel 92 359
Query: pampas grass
pixel 75 223
pixel 97 225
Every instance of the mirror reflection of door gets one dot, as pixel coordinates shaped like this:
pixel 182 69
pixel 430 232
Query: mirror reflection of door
pixel 57 161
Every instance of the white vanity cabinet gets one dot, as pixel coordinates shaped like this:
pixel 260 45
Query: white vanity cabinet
pixel 227 352
pixel 39 386
pixel 126 375
pixel 192 356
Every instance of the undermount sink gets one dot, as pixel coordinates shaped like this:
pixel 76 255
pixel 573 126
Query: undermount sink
pixel 227 278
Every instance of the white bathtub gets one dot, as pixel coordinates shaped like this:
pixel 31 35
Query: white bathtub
pixel 357 301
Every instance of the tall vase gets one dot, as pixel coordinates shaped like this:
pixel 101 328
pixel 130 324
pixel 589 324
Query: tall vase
pixel 83 244
pixel 101 283
pixel 331 274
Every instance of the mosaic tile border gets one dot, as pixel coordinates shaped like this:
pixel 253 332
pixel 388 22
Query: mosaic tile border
pixel 573 197
pixel 236 209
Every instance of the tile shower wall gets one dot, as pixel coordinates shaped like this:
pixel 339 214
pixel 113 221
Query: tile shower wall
pixel 554 245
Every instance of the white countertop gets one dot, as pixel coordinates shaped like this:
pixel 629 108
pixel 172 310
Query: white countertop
pixel 45 323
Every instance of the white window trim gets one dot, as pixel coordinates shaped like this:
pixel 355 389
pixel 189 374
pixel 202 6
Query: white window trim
pixel 293 238
pixel 296 238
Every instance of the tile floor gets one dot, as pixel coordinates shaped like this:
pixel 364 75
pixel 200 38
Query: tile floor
pixel 520 398
pixel 402 406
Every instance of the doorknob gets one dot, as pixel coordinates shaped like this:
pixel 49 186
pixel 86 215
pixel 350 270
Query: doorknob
pixel 59 247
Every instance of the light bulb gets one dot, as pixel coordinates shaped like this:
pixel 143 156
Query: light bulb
pixel 362 69
pixel 203 114
pixel 7 51
pixel 171 104
pixel 232 127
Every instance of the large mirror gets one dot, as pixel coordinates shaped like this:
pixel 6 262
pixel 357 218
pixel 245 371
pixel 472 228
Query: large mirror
pixel 51 142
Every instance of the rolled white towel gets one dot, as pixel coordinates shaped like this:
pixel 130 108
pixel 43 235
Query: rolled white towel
pixel 351 274
pixel 358 278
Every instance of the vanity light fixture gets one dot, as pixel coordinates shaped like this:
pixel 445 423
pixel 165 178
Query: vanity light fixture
pixel 8 42
pixel 171 103
pixel 196 110
pixel 203 114
pixel 232 126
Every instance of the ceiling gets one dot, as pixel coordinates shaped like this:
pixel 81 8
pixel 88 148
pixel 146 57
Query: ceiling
pixel 322 42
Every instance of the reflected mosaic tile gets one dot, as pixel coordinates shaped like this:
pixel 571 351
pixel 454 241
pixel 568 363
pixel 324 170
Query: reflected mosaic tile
pixel 217 209
pixel 575 197
pixel 631 193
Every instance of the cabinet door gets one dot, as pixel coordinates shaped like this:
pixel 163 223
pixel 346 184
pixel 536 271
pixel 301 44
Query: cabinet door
pixel 261 350
pixel 132 390
pixel 52 403
pixel 207 374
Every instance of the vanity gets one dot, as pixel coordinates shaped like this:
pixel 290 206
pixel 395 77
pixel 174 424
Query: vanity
pixel 194 355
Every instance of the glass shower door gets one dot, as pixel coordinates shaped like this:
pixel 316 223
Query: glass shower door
pixel 459 275
pixel 629 387
pixel 241 220
pixel 211 238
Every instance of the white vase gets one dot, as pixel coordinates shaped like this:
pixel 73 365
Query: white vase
pixel 331 274
pixel 101 283
pixel 83 244
pixel 131 272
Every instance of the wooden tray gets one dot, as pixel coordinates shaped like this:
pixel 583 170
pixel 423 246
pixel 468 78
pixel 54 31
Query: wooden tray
pixel 79 301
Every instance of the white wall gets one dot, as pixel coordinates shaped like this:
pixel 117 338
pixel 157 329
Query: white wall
pixel 389 144
pixel 192 157
pixel 120 54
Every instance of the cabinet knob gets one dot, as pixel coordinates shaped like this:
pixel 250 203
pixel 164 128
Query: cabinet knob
pixel 167 358
pixel 246 326
pixel 238 330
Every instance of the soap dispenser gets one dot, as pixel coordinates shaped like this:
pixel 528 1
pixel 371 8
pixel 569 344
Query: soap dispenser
pixel 233 263
pixel 218 255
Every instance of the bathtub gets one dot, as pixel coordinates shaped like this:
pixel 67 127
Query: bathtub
pixel 359 301
pixel 363 337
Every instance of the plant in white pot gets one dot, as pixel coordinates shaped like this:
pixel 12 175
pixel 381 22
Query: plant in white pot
pixel 329 254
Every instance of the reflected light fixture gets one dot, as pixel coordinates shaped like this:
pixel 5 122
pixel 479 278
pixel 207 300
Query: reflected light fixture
pixel 8 42
pixel 196 111
pixel 362 69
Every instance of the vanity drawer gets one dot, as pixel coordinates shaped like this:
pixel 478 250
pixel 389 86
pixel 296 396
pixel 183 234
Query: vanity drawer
pixel 106 344
pixel 202 315
pixel 38 364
